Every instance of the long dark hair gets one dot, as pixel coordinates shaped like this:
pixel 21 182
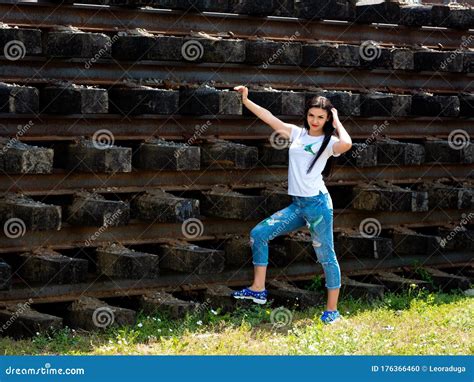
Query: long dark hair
pixel 328 129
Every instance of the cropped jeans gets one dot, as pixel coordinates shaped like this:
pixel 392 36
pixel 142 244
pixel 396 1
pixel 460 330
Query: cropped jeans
pixel 316 212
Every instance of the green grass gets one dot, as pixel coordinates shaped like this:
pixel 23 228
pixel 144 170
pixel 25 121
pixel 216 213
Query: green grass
pixel 415 322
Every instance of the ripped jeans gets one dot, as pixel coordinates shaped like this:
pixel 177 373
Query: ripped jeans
pixel 316 212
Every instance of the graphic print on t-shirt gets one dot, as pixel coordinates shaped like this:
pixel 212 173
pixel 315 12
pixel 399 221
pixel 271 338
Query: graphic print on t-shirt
pixel 309 148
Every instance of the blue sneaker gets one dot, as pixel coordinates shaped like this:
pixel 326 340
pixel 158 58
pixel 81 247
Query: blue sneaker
pixel 330 317
pixel 246 293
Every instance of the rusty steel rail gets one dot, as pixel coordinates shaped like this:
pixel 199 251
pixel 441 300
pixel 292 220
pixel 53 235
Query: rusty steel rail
pixel 62 182
pixel 108 72
pixel 112 19
pixel 139 232
pixel 53 128
pixel 180 282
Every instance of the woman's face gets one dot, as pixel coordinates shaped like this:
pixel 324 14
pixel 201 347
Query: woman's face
pixel 317 117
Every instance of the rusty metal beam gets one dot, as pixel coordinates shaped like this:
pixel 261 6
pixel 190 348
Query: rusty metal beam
pixel 175 22
pixel 108 72
pixel 62 182
pixel 138 232
pixel 51 128
pixel 177 282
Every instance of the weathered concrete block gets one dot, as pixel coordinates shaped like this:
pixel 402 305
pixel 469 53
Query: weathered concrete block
pixel 5 275
pixel 330 54
pixel 18 99
pixel 426 104
pixel 378 12
pixel 92 314
pixel 219 154
pixel 397 284
pixel 237 252
pixel 416 15
pixel 21 321
pixel 402 59
pixel 16 43
pixel 220 296
pixel 275 199
pixel 325 9
pixel 383 104
pixel 285 8
pixel 74 99
pixel 270 100
pixel 134 100
pixel 97 156
pixel 267 53
pixel 66 42
pixel 457 238
pixel 206 100
pixel 286 294
pixel 299 248
pixel 292 103
pixel 278 102
pixel 449 151
pixel 373 56
pixel 346 103
pixel 452 16
pixel 466 103
pixel 360 246
pixel 357 289
pixel 166 48
pixel 394 198
pixel 213 49
pixel 271 156
pixel 48 266
pixel 232 205
pixel 19 158
pixel 132 45
pixel 117 261
pixel 360 155
pixel 448 196
pixel 162 302
pixel 19 213
pixel 91 209
pixel 468 61
pixel 158 154
pixel 434 60
pixel 163 207
pixel 249 7
pixel 392 152
pixel 189 258
pixel 407 242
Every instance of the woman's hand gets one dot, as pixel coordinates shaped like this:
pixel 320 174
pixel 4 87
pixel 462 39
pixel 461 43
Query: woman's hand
pixel 335 118
pixel 242 90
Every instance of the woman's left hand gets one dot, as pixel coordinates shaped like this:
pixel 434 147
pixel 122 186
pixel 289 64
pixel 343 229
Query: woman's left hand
pixel 335 118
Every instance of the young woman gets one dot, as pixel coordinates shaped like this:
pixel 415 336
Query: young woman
pixel 310 154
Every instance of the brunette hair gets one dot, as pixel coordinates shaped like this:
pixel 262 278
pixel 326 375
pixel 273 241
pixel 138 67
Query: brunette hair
pixel 328 129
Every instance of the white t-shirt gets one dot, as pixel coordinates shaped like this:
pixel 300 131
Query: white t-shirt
pixel 303 149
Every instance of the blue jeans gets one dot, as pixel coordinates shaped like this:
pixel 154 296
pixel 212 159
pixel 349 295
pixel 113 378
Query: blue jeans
pixel 316 212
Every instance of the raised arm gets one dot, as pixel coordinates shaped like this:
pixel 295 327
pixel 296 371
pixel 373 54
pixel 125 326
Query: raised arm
pixel 266 116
